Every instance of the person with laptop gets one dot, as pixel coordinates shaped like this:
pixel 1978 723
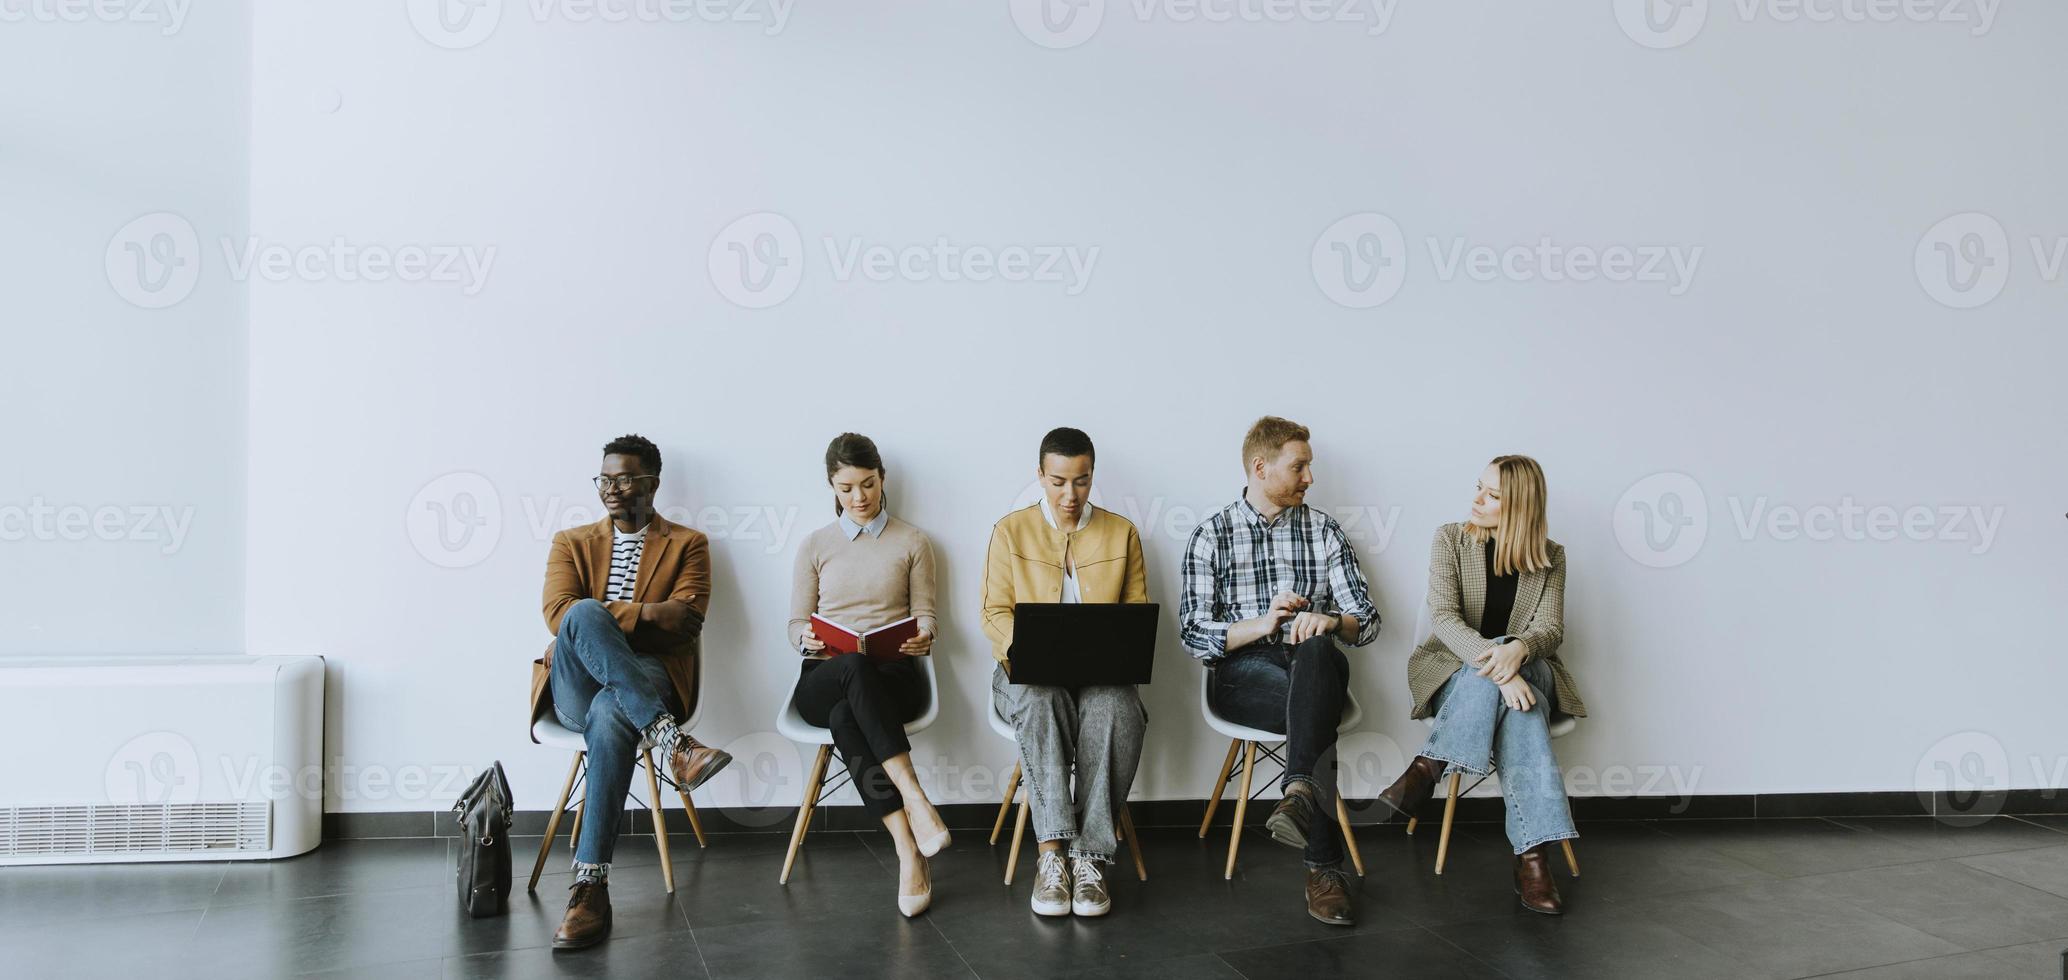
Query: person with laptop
pixel 1063 550
pixel 862 573
pixel 1271 585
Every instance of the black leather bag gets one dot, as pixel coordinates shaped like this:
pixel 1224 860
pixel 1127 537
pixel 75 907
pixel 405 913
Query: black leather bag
pixel 484 813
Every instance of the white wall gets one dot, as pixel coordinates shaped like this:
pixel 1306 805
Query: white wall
pixel 1803 364
pixel 122 456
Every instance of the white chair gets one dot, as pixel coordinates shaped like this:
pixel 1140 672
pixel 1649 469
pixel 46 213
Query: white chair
pixel 549 732
pixel 1425 624
pixel 793 727
pixel 1246 741
pixel 1125 831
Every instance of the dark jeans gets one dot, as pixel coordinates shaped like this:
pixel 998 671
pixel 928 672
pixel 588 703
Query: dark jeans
pixel 866 705
pixel 1298 692
pixel 610 693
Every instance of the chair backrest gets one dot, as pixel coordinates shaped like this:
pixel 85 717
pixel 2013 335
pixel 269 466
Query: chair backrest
pixel 932 710
pixel 1425 624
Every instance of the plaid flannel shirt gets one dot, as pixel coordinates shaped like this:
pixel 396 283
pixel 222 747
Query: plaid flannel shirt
pixel 1235 562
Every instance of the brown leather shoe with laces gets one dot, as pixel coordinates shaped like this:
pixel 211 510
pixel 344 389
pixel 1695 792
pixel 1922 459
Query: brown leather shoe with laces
pixel 1534 883
pixel 693 763
pixel 1328 897
pixel 587 921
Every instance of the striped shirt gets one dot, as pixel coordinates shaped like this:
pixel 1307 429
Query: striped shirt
pixel 625 550
pixel 1235 562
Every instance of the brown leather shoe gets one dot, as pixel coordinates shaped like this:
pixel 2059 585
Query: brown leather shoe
pixel 1414 787
pixel 693 763
pixel 587 921
pixel 1289 819
pixel 1534 883
pixel 1328 897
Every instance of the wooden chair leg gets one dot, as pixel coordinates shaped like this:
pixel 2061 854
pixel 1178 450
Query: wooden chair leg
pixel 1220 786
pixel 696 826
pixel 1571 862
pixel 1134 842
pixel 574 833
pixel 1411 821
pixel 1450 809
pixel 1012 787
pixel 660 822
pixel 1349 836
pixel 1249 764
pixel 804 808
pixel 553 823
pixel 1019 831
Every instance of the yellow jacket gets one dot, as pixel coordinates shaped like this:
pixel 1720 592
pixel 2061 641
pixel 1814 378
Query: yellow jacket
pixel 1026 560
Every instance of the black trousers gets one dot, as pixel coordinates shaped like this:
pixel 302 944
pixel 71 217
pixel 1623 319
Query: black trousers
pixel 1299 692
pixel 866 705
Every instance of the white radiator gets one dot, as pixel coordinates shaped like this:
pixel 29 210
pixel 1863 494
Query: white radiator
pixel 150 758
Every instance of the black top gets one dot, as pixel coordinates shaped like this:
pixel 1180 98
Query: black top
pixel 1500 598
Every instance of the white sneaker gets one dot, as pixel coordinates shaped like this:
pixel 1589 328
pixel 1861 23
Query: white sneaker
pixel 1088 896
pixel 1051 885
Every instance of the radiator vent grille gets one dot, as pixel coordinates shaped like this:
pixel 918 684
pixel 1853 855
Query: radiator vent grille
pixel 151 828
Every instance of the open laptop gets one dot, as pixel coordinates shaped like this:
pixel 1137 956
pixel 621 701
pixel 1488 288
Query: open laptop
pixel 1073 644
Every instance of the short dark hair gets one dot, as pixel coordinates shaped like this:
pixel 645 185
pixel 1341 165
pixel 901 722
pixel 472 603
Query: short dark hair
pixel 636 445
pixel 1067 443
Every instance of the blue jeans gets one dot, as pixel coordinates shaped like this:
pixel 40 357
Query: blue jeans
pixel 1299 692
pixel 1476 733
pixel 610 693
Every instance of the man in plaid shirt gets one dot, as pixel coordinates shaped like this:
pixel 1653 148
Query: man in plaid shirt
pixel 1270 586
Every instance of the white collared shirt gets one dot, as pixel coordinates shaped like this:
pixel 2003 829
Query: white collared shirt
pixel 874 527
pixel 1070 590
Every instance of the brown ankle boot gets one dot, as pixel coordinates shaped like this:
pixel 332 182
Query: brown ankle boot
pixel 1414 787
pixel 1534 883
pixel 588 916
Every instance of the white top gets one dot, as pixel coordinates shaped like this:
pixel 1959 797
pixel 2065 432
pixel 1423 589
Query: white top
pixel 625 551
pixel 1070 591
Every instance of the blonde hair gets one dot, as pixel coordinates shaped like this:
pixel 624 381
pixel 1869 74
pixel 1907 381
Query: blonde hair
pixel 1521 543
pixel 1268 436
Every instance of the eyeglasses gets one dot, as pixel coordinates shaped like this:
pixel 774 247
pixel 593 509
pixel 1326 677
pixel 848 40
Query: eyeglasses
pixel 621 484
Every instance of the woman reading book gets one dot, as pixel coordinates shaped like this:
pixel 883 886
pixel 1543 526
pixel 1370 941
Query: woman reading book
pixel 865 571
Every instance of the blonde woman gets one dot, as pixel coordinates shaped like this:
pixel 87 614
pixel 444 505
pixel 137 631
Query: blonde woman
pixel 1490 672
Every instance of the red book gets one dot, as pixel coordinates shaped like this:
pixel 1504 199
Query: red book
pixel 881 643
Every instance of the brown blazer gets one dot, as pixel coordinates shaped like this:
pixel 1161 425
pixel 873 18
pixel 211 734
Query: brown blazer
pixel 675 564
pixel 1457 601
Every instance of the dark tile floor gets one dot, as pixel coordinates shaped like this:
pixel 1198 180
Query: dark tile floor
pixel 1888 897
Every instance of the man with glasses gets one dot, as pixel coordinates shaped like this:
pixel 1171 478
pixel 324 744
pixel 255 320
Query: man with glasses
pixel 625 599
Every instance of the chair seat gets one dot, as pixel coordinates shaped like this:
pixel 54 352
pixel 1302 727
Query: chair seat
pixel 1353 713
pixel 1560 728
pixel 550 732
pixel 792 725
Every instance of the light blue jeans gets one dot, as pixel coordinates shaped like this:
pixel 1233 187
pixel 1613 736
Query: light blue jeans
pixel 1476 733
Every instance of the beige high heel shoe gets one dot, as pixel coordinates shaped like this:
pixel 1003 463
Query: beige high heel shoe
pixel 912 905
